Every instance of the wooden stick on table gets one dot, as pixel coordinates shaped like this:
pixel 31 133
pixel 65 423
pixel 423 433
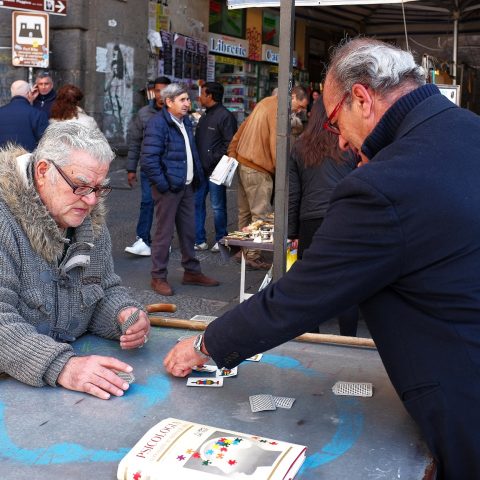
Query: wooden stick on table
pixel 306 337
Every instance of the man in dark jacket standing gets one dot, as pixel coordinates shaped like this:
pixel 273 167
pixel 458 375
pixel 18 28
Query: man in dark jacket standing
pixel 46 93
pixel 170 160
pixel 214 133
pixel 20 123
pixel 401 238
pixel 134 140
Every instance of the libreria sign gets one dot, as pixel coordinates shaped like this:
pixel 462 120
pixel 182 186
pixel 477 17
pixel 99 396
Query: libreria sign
pixel 225 47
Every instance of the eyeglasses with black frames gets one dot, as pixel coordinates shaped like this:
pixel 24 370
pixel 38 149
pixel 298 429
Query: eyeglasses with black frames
pixel 83 190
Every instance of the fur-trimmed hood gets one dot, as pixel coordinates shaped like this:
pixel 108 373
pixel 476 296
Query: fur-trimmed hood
pixel 18 192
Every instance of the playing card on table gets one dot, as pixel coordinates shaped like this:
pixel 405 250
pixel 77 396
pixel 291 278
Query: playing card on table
pixel 205 368
pixel 283 402
pixel 356 389
pixel 255 358
pixel 204 382
pixel 261 402
pixel 227 372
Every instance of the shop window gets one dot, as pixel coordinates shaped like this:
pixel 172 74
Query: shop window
pixel 225 21
pixel 271 28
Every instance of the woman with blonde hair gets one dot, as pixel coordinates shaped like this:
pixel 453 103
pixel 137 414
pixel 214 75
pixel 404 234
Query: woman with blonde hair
pixel 67 107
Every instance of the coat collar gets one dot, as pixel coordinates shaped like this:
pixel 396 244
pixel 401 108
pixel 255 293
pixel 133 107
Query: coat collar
pixel 406 113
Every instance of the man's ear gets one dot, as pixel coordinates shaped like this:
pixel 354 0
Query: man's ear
pixel 41 169
pixel 361 94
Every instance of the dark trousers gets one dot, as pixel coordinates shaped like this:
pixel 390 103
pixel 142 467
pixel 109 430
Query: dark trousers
pixel 174 210
pixel 348 319
pixel 145 219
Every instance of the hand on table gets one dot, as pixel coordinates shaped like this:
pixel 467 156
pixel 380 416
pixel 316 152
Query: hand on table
pixel 95 375
pixel 182 357
pixel 137 334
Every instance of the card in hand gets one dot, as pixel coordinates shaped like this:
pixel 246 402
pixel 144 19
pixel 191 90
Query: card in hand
pixel 127 377
pixel 204 382
pixel 227 372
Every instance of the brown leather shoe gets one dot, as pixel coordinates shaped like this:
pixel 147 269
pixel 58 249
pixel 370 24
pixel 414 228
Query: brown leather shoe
pixel 256 264
pixel 161 286
pixel 194 278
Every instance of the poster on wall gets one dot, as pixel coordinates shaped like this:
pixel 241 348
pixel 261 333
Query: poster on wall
pixel 118 98
pixel 165 65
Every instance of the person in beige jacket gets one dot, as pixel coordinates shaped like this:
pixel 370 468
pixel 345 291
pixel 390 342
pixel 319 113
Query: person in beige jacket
pixel 254 146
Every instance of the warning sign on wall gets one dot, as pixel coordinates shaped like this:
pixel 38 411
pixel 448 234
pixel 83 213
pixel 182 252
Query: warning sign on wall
pixel 30 39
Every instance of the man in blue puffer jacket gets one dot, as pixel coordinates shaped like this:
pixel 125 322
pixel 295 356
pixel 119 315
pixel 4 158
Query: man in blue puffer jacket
pixel 170 160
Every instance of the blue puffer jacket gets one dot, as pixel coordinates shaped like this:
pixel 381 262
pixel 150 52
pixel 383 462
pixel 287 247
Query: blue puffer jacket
pixel 164 156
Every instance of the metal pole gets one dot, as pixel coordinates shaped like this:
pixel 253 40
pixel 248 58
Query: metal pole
pixel 285 84
pixel 456 15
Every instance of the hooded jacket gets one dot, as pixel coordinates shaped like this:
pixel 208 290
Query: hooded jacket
pixel 52 289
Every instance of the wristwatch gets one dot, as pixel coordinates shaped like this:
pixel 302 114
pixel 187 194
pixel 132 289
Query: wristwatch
pixel 197 345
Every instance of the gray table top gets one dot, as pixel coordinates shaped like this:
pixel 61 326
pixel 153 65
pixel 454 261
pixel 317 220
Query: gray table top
pixel 50 433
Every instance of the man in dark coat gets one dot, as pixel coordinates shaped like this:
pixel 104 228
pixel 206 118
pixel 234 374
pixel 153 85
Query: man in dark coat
pixel 170 160
pixel 214 133
pixel 20 123
pixel 43 101
pixel 134 139
pixel 401 238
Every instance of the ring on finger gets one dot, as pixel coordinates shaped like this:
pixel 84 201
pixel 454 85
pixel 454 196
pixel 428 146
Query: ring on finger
pixel 145 339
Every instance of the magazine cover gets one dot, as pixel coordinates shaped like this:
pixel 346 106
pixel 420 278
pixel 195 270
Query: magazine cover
pixel 194 451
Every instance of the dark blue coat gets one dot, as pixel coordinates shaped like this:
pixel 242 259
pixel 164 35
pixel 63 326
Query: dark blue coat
pixel 21 124
pixel 44 103
pixel 164 155
pixel 401 239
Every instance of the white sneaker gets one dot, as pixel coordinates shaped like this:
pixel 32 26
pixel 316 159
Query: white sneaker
pixel 201 246
pixel 139 248
pixel 215 248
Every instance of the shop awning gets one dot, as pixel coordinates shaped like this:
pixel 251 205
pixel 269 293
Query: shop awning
pixel 309 3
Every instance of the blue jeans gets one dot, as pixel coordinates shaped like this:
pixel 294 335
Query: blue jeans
pixel 145 219
pixel 218 199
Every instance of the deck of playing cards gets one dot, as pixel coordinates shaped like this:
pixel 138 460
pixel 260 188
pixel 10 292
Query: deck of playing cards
pixel 355 389
pixel 263 402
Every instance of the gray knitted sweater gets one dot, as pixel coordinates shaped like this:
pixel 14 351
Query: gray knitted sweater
pixel 47 300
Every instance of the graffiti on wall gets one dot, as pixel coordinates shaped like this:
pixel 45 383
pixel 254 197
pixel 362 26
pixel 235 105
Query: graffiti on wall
pixel 118 98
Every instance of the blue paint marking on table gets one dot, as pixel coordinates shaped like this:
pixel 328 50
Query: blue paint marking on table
pixel 58 454
pixel 290 363
pixel 157 389
pixel 350 426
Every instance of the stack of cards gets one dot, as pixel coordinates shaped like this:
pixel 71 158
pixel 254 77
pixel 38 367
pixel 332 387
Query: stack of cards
pixel 356 389
pixel 263 402
pixel 127 377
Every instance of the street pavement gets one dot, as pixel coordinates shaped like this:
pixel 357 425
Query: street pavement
pixel 123 205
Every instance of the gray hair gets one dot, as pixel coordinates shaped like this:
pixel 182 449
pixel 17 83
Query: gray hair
pixel 172 91
pixel 20 87
pixel 61 138
pixel 376 64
